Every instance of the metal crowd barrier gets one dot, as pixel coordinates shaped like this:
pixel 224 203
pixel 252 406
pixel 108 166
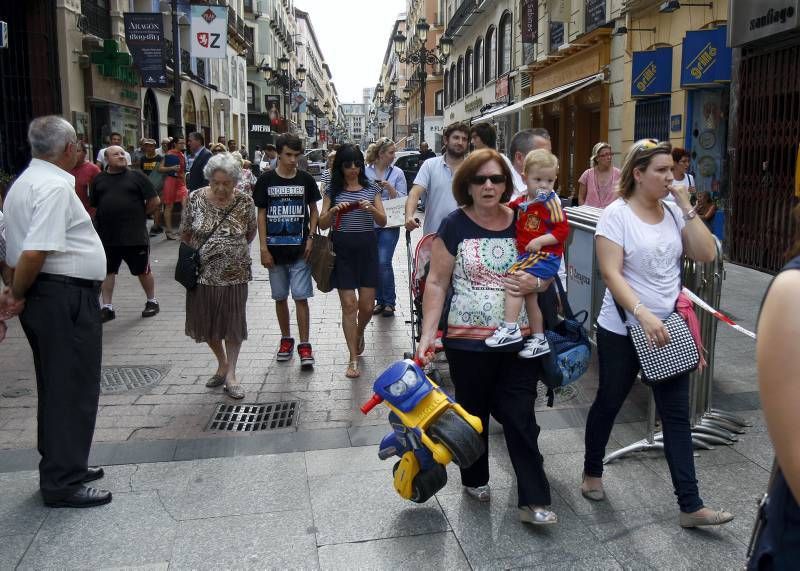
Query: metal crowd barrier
pixel 710 426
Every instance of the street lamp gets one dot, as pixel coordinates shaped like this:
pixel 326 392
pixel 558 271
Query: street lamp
pixel 422 57
pixel 391 98
pixel 282 78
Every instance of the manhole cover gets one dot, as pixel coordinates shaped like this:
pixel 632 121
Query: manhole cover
pixel 252 417
pixel 562 395
pixel 121 379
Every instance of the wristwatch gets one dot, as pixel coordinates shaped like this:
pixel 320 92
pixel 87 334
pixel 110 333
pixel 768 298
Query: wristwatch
pixel 691 214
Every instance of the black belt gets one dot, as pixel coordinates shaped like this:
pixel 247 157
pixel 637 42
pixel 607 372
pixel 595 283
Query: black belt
pixel 80 282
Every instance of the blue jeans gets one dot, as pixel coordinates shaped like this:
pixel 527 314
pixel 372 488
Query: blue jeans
pixel 387 241
pixel 618 367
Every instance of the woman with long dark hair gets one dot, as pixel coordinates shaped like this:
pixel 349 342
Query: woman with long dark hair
pixel 352 207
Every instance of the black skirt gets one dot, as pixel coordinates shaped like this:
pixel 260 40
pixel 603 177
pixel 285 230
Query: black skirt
pixel 356 260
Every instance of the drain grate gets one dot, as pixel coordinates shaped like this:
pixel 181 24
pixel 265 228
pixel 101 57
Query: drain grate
pixel 253 417
pixel 562 395
pixel 120 379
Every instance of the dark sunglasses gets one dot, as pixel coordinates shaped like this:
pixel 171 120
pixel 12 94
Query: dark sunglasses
pixel 480 179
pixel 352 164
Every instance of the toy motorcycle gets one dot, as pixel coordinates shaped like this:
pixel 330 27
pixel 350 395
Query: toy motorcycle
pixel 429 430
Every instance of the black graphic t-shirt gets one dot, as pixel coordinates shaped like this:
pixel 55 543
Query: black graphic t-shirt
pixel 286 201
pixel 149 164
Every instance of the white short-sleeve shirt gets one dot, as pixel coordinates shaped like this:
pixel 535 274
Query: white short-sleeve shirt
pixel 101 157
pixel 436 178
pixel 651 263
pixel 43 213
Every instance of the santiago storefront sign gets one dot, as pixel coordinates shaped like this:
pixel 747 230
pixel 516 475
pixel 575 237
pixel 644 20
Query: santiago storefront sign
pixel 652 72
pixel 758 19
pixel 706 57
pixel 144 35
pixel 209 33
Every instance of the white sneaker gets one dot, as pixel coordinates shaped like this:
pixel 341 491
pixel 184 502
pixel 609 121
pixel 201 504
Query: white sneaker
pixel 534 347
pixel 503 336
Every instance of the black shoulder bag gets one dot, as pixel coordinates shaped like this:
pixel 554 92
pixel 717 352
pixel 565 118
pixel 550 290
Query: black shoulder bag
pixel 188 267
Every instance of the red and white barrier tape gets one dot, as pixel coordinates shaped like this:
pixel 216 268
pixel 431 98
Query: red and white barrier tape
pixel 721 316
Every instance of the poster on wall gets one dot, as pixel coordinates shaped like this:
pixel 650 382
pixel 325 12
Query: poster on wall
pixel 144 35
pixel 209 32
pixel 310 127
pixel 273 106
pixel 528 23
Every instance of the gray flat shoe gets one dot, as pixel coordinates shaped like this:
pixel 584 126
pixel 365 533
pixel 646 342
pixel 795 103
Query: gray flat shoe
pixel 480 493
pixel 594 495
pixel 215 381
pixel 716 517
pixel 234 391
pixel 537 517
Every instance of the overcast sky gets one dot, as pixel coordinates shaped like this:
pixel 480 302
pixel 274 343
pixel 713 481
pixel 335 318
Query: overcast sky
pixel 353 35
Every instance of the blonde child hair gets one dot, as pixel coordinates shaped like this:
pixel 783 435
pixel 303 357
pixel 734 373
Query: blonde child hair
pixel 540 158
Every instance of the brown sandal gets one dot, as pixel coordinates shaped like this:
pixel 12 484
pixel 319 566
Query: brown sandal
pixel 352 370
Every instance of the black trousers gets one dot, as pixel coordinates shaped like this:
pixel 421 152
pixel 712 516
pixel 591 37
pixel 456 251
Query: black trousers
pixel 62 324
pixel 503 385
pixel 619 366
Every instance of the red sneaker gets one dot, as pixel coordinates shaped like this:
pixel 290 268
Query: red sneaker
pixel 306 357
pixel 286 349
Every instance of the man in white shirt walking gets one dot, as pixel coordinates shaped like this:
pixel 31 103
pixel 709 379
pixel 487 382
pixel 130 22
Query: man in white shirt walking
pixel 435 179
pixel 58 262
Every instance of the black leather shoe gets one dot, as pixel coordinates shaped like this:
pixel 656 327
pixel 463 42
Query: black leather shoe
pixel 85 497
pixel 93 473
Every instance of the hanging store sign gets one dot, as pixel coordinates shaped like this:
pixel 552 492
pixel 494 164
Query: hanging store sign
pixel 501 89
pixel 528 24
pixel 310 127
pixel 706 57
pixel 144 34
pixel 755 20
pixel 209 32
pixel 652 72
pixel 298 102
pixel 595 13
pixel 559 10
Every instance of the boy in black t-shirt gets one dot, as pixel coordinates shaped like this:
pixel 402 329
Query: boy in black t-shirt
pixel 149 162
pixel 287 218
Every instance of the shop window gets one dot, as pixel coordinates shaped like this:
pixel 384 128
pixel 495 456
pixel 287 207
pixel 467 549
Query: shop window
pixel 468 73
pixel 478 69
pixel 452 83
pixel 652 118
pixel 97 17
pixel 490 69
pixel 505 43
pixel 460 78
pixel 250 96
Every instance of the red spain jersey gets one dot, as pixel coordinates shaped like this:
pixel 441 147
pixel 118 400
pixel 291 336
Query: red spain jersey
pixel 539 217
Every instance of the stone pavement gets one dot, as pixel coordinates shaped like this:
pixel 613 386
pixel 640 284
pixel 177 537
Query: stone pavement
pixel 315 495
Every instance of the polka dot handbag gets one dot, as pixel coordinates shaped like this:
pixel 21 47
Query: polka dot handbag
pixel 660 364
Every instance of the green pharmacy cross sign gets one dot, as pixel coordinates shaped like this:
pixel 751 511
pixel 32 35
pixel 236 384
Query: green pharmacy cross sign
pixel 114 63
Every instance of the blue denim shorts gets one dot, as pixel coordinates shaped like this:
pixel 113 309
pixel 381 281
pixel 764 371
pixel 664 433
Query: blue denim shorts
pixel 295 276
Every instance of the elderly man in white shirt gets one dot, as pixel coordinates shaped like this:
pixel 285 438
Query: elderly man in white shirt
pixel 58 262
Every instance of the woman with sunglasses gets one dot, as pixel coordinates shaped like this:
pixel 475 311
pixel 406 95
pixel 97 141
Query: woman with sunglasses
pixel 640 240
pixel 474 248
pixel 392 181
pixel 351 208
